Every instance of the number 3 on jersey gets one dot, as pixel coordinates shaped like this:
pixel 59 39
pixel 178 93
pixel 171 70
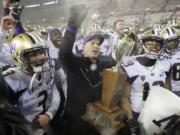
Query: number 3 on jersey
pixel 43 102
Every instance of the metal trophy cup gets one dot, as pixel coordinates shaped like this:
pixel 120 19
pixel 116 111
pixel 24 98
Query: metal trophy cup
pixel 105 115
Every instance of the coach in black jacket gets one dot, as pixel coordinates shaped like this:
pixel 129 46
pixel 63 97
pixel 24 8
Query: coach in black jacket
pixel 84 75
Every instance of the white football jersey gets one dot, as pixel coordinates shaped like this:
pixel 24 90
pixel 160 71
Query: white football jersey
pixel 138 75
pixel 53 51
pixel 42 98
pixel 175 74
pixel 5 55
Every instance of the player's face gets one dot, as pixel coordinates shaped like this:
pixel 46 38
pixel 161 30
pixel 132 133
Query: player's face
pixel 37 58
pixel 119 26
pixel 56 36
pixel 152 46
pixel 92 48
pixel 172 45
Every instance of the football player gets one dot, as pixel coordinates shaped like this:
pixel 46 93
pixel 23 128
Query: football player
pixel 55 40
pixel 142 73
pixel 31 83
pixel 172 37
pixel 119 26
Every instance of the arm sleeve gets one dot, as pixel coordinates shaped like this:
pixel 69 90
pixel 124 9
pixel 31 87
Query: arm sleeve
pixel 61 79
pixel 13 90
pixel 55 102
pixel 130 78
pixel 19 28
pixel 5 55
pixel 68 40
pixel 2 38
pixel 66 56
pixel 61 83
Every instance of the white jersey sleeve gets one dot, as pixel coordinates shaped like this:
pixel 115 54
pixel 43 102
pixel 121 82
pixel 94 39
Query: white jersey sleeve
pixel 131 70
pixel 55 102
pixel 2 38
pixel 5 55
pixel 62 79
pixel 53 51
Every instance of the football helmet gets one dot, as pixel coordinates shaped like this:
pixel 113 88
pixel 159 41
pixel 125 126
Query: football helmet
pixel 171 36
pixel 152 43
pixel 26 45
pixel 173 23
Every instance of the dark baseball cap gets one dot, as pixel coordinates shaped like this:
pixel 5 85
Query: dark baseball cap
pixel 95 36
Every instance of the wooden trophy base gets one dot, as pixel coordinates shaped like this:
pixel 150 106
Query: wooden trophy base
pixel 106 121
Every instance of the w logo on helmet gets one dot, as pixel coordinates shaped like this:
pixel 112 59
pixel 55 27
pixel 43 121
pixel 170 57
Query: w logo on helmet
pixel 13 48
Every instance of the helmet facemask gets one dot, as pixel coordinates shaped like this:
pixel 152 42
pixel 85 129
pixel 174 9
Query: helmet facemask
pixel 37 58
pixel 32 55
pixel 39 61
pixel 171 36
pixel 171 46
pixel 30 51
pixel 152 44
pixel 152 49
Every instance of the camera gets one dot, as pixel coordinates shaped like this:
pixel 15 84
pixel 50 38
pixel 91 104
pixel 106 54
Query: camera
pixel 14 1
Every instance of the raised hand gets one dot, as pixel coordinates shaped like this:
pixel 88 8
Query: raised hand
pixel 77 14
pixel 7 22
pixel 16 11
pixel 6 3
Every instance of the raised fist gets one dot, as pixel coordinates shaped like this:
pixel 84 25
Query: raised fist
pixel 7 22
pixel 77 14
pixel 16 11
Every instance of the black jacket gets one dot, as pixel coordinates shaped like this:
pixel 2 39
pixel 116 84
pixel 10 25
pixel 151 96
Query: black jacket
pixel 84 86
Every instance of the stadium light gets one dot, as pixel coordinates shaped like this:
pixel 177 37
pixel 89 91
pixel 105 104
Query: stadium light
pixel 50 3
pixel 31 6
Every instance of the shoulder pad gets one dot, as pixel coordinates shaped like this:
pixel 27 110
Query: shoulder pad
pixel 5 67
pixel 10 71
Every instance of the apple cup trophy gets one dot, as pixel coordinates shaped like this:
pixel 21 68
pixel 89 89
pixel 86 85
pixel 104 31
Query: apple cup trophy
pixel 105 115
